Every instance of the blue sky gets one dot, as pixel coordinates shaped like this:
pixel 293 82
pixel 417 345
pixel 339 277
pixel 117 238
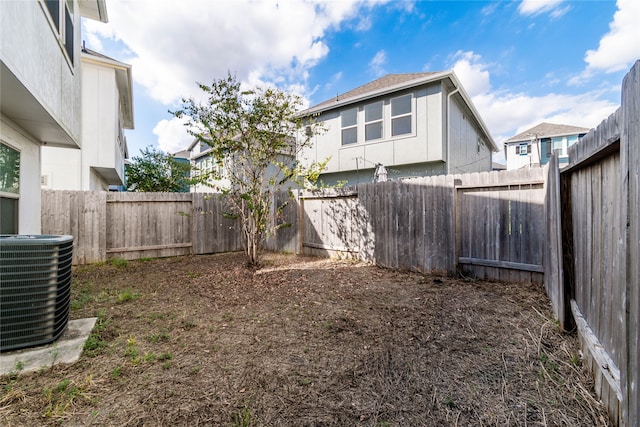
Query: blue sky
pixel 522 62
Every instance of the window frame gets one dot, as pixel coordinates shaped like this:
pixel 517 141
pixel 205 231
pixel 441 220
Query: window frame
pixel 402 115
pixel 349 127
pixel 562 144
pixel 525 152
pixel 375 121
pixel 60 24
pixel 13 195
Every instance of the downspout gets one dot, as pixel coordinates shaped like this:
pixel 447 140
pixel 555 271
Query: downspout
pixel 448 170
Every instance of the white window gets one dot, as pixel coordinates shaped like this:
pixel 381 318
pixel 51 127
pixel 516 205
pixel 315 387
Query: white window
pixel 373 121
pixel 349 124
pixel 523 149
pixel 9 189
pixel 560 145
pixel 61 17
pixel 401 115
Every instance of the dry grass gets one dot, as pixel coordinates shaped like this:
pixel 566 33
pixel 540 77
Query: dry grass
pixel 306 342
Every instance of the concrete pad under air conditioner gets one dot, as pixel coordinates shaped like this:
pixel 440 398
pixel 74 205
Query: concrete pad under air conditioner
pixel 66 349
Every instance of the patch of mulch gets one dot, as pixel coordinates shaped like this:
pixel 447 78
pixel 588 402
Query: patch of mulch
pixel 202 340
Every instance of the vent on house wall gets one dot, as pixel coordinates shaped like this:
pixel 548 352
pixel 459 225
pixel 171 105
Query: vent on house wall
pixel 35 289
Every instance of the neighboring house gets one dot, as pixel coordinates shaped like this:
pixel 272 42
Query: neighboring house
pixel 202 162
pixel 107 109
pixel 40 104
pixel 183 157
pixel 534 146
pixel 417 124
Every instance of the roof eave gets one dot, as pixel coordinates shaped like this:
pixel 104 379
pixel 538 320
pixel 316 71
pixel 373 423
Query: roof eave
pixel 125 87
pixel 94 9
pixel 513 140
pixel 375 93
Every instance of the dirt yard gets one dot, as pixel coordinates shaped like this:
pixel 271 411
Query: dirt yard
pixel 202 341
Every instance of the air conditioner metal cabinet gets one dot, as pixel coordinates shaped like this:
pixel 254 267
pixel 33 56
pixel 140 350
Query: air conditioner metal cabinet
pixel 35 289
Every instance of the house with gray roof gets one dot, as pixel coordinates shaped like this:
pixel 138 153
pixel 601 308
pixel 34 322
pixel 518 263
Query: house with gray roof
pixel 535 146
pixel 416 124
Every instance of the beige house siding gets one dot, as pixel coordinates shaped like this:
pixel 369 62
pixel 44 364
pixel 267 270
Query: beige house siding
pixel 446 134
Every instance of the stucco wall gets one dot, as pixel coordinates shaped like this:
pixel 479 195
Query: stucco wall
pixel 424 144
pixel 100 115
pixel 467 151
pixel 29 203
pixel 61 168
pixel 393 173
pixel 70 169
pixel 36 58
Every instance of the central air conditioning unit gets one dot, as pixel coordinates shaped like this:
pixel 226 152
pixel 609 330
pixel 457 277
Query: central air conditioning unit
pixel 35 289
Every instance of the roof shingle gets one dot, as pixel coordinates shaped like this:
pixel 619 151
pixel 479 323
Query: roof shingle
pixel 547 130
pixel 387 81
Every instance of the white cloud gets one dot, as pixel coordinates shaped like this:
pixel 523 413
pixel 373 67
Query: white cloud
pixel 472 73
pixel 172 135
pixel 620 47
pixel 176 45
pixel 171 46
pixel 377 63
pixel 507 113
pixel 535 7
pixel 93 42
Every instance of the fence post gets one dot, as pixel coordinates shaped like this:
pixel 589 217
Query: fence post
pixel 553 272
pixel 630 212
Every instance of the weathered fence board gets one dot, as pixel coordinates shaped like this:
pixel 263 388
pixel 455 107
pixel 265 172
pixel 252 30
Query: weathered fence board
pixel 600 234
pixel 630 179
pixel 500 226
pixel 140 225
pixel 597 233
pixel 214 231
pixel 330 222
pixel 553 259
pixel 148 225
pixel 491 222
pixel 77 213
pixel 285 218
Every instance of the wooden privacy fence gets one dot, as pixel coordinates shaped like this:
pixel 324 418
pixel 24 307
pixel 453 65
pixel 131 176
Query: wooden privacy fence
pixel 137 225
pixel 148 225
pixel 500 225
pixel 490 224
pixel 593 277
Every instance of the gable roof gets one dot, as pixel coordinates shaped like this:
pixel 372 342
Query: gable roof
pixel 396 82
pixel 547 130
pixel 182 154
pixel 374 87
